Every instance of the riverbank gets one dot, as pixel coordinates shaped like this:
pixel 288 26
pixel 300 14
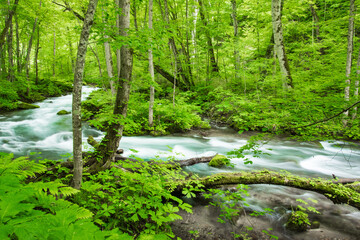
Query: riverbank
pixel 14 96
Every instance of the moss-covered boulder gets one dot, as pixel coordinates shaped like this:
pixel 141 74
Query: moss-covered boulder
pixel 219 161
pixel 63 112
pixel 24 105
pixel 298 221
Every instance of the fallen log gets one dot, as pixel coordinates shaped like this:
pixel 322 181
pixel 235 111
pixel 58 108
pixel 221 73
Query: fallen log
pixel 336 192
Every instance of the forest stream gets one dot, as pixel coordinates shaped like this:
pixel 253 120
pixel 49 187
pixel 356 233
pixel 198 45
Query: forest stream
pixel 42 130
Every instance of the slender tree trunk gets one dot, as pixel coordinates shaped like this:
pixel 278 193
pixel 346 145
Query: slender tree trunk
pixel 214 66
pixel 54 54
pixel 350 48
pixel 110 142
pixel 11 76
pixel 97 59
pixel 276 11
pixel 151 69
pixel 109 65
pixel 18 63
pixel 37 47
pixel 71 52
pixel 356 91
pixel 27 61
pixel 76 105
pixel 236 52
pixel 118 52
pixel 172 46
pixel 316 27
pixel 8 22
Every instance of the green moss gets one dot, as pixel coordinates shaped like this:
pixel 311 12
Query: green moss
pixel 23 105
pixel 219 161
pixel 298 221
pixel 63 112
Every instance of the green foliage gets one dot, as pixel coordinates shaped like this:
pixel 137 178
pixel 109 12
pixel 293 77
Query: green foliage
pixel 135 202
pixel 231 203
pixel 250 148
pixel 98 110
pixel 298 221
pixel 38 210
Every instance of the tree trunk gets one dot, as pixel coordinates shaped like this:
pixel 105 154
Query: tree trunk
pixel 118 52
pixel 276 12
pixel 109 65
pixel 214 66
pixel 27 61
pixel 76 105
pixel 316 27
pixel 350 48
pixel 18 63
pixel 236 52
pixel 356 91
pixel 151 69
pixel 37 47
pixel 172 46
pixel 11 76
pixel 110 142
pixel 71 52
pixel 97 59
pixel 331 189
pixel 8 22
pixel 54 55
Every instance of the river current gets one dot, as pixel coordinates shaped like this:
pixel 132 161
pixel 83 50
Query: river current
pixel 41 130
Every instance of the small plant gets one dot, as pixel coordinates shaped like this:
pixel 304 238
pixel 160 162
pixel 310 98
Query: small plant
pixel 299 219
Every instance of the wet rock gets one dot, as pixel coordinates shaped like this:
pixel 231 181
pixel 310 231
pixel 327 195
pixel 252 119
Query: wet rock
pixel 23 105
pixel 219 161
pixel 315 225
pixel 63 112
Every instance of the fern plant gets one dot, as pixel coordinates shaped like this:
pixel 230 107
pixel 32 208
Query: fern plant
pixel 36 210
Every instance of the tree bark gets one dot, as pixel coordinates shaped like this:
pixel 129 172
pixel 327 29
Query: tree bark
pixel 37 47
pixel 213 63
pixel 27 61
pixel 109 65
pixel 356 91
pixel 18 63
pixel 236 52
pixel 151 69
pixel 8 23
pixel 337 193
pixel 97 59
pixel 276 12
pixel 110 142
pixel 316 27
pixel 11 76
pixel 76 105
pixel 118 51
pixel 350 48
pixel 54 54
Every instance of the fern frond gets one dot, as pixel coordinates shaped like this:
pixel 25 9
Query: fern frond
pixel 22 166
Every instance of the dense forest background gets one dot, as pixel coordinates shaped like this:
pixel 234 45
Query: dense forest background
pixel 215 58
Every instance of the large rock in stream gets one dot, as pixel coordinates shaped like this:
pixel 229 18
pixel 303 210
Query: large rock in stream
pixel 24 105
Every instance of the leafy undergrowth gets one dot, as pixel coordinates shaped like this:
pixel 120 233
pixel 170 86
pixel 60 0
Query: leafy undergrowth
pixel 22 90
pixel 282 114
pixel 39 210
pixel 98 108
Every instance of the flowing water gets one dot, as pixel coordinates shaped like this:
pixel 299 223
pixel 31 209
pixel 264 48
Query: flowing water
pixel 41 130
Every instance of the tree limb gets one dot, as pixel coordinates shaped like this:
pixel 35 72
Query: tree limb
pixel 68 8
pixel 327 119
pixel 337 193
